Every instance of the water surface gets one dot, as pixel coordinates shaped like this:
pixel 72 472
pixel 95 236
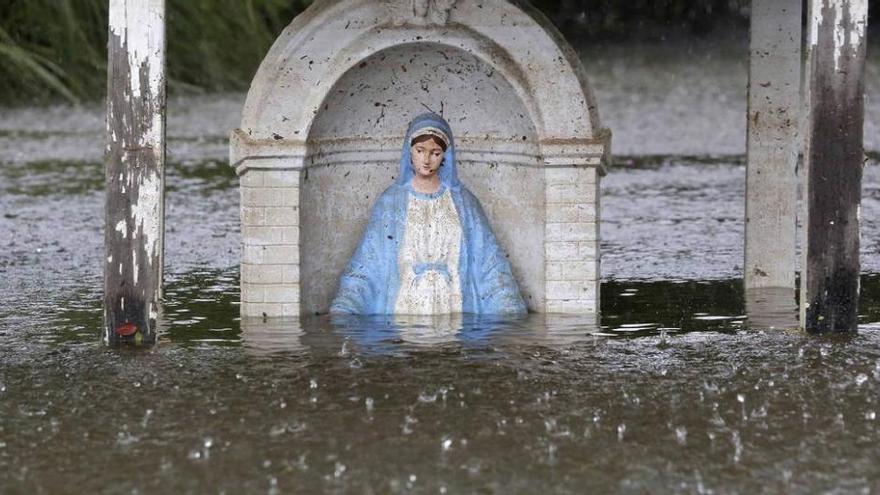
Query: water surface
pixel 685 384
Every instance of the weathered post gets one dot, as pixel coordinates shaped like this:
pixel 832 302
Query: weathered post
pixel 773 121
pixel 834 160
pixel 134 168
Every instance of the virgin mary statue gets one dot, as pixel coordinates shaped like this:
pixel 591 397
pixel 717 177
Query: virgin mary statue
pixel 428 248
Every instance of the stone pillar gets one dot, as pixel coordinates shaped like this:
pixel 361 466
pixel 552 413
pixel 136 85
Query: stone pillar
pixel 572 239
pixel 772 141
pixel 270 241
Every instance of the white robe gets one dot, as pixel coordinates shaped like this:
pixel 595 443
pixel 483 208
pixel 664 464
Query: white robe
pixel 428 257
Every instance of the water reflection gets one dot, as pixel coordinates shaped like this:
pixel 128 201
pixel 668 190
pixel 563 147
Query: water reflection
pixel 771 308
pixel 398 334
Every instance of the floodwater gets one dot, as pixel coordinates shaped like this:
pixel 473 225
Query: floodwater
pixel 685 385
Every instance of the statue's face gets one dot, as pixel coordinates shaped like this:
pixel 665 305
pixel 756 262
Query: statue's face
pixel 426 158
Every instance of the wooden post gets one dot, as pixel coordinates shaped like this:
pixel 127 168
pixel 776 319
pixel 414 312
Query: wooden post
pixel 772 142
pixel 135 170
pixel 834 158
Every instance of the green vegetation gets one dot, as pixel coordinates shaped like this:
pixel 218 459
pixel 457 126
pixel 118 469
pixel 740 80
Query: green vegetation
pixel 57 49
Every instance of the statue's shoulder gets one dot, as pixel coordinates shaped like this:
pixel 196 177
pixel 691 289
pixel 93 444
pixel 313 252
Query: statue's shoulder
pixel 389 203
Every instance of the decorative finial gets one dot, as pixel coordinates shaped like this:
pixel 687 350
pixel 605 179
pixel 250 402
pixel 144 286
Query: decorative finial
pixel 433 11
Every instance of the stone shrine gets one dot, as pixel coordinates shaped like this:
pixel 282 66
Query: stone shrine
pixel 322 125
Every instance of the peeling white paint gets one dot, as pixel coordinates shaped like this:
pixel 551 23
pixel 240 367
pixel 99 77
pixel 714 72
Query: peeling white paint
pixel 858 11
pixel 145 213
pixel 134 262
pixel 120 227
pixel 140 24
pixel 153 136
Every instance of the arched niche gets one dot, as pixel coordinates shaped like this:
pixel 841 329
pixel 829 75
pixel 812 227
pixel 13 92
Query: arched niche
pixel 322 131
pixel 355 143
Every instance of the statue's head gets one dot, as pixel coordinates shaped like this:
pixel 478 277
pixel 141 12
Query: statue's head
pixel 428 146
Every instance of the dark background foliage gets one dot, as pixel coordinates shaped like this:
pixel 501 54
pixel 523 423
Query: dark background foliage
pixel 643 19
pixel 56 49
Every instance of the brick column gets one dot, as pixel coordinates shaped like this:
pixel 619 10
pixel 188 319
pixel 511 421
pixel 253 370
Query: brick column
pixel 270 242
pixel 572 240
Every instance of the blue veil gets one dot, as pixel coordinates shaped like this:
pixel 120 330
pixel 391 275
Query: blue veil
pixel 370 282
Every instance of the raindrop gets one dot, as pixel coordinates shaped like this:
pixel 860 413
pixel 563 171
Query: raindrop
pixel 124 438
pixel 368 402
pixel 339 470
pixel 147 414
pixel 446 444
pixel 738 447
pixel 621 430
pixel 313 384
pixel 427 398
pixel 870 415
pixel 786 475
pixel 681 435
pixel 861 378
pixel 408 421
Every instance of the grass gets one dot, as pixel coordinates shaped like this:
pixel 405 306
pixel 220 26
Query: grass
pixel 57 49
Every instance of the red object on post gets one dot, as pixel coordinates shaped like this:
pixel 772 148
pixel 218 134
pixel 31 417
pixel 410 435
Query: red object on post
pixel 126 329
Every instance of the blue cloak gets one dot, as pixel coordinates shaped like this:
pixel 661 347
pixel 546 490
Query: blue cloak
pixel 370 283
